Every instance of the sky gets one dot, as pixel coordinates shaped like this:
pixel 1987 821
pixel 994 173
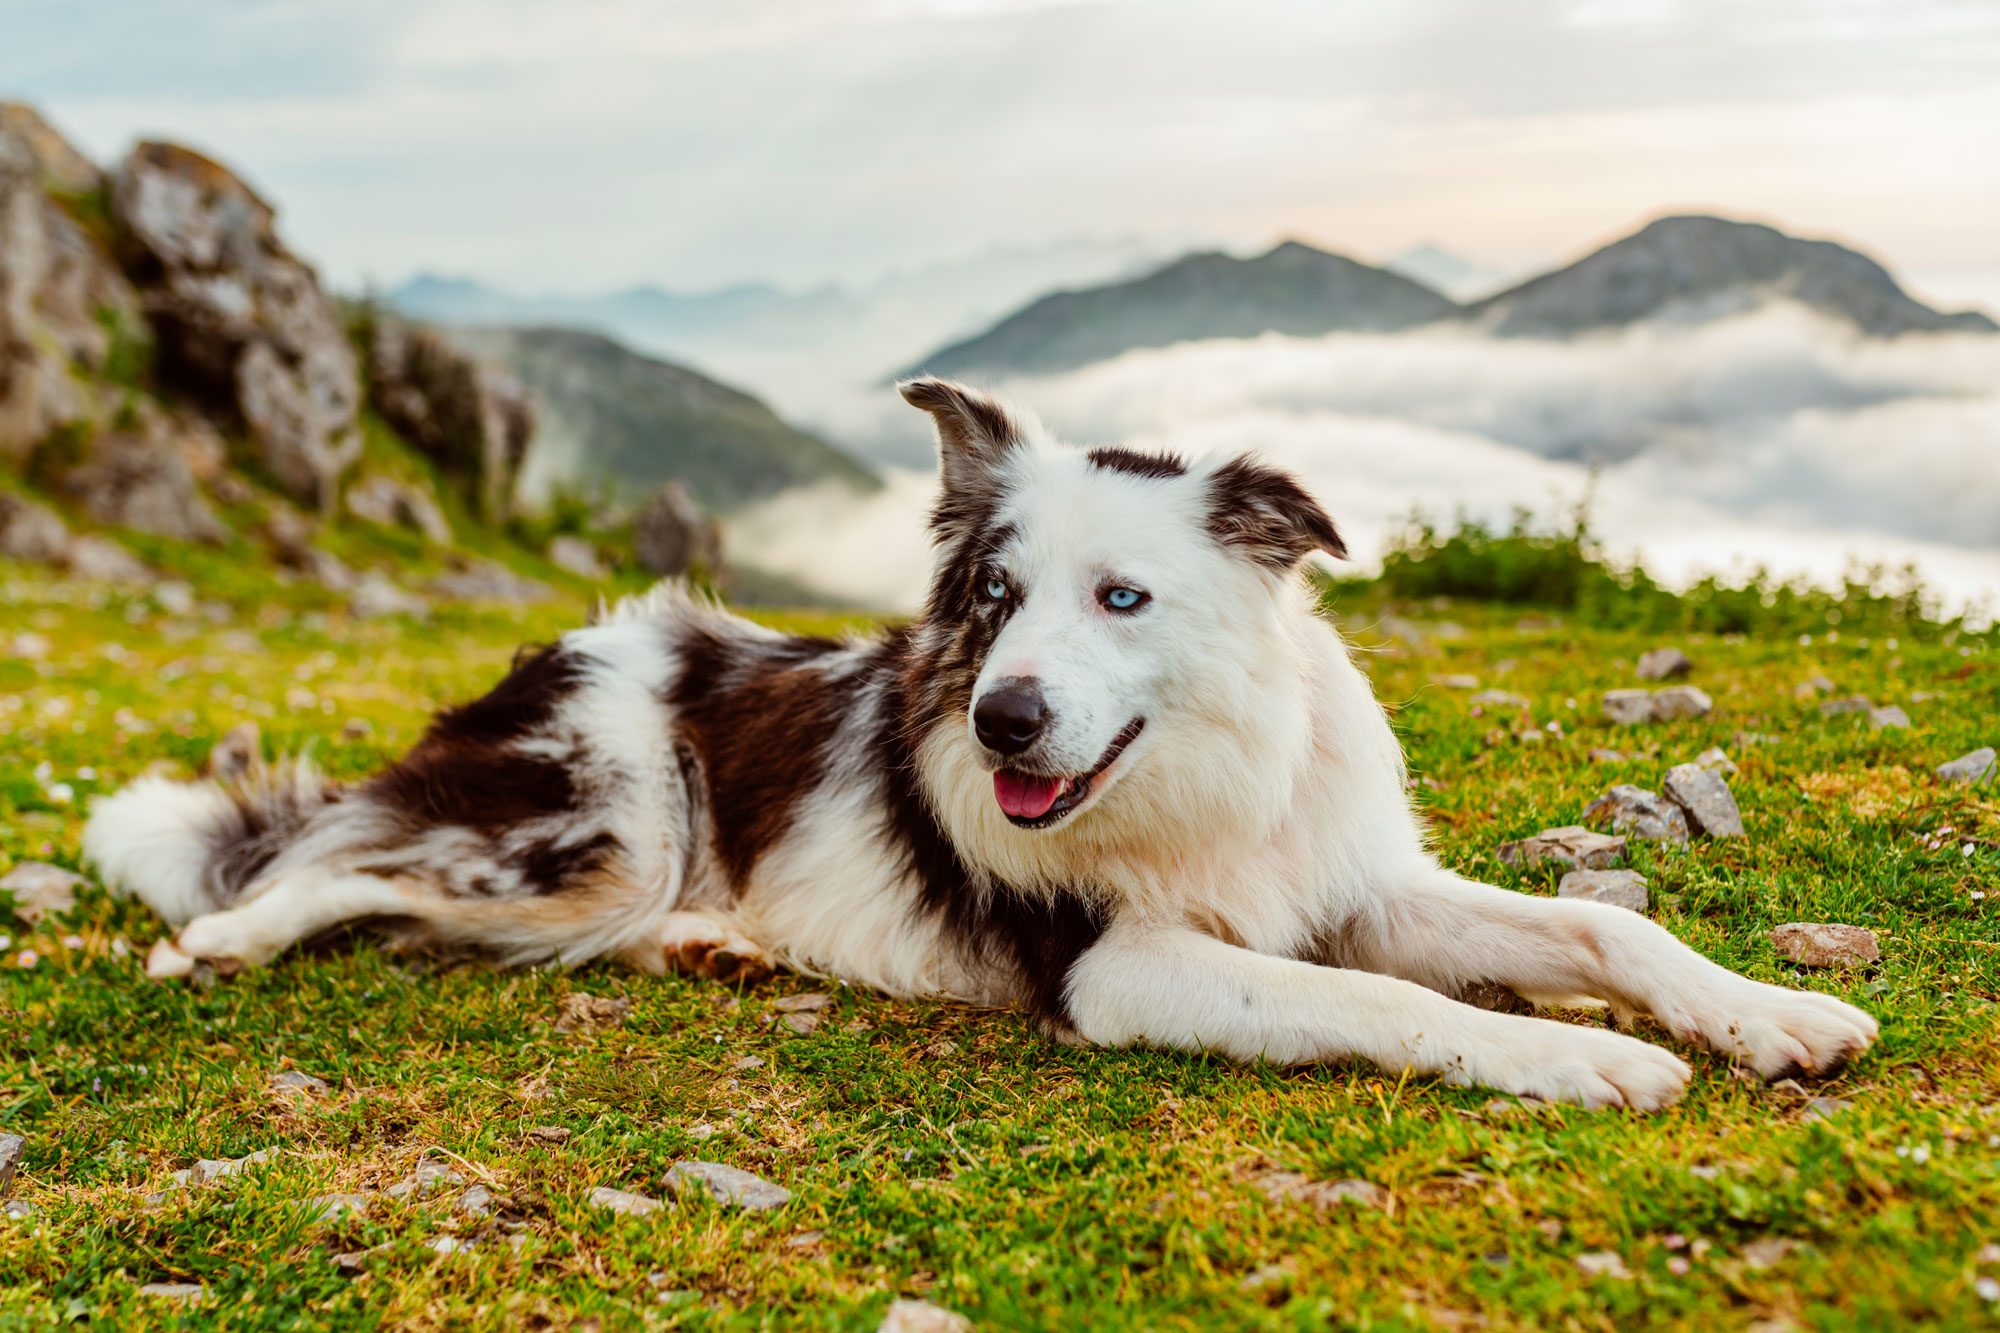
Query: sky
pixel 590 144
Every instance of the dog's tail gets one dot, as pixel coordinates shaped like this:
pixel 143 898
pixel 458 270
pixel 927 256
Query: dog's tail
pixel 186 848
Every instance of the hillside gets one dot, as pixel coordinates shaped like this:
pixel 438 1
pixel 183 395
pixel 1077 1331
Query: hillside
pixel 1695 267
pixel 609 415
pixel 1292 288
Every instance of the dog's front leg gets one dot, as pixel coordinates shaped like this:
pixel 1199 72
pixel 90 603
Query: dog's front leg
pixel 1446 932
pixel 1175 987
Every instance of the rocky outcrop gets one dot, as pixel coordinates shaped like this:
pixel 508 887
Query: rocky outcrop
pixel 142 475
pixel 238 319
pixel 470 418
pixel 60 165
pixel 673 536
pixel 389 503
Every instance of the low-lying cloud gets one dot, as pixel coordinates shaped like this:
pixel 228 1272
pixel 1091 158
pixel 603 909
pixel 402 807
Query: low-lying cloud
pixel 1774 438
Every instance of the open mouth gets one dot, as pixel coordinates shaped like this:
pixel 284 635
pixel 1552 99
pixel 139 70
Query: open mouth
pixel 1035 800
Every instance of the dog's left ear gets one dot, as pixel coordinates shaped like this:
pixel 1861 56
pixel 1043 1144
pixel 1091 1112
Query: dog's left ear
pixel 1267 515
pixel 973 430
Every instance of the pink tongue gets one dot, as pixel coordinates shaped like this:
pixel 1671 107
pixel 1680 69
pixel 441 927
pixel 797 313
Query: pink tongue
pixel 1025 797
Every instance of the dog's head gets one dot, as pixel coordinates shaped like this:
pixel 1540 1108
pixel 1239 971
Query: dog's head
pixel 1105 620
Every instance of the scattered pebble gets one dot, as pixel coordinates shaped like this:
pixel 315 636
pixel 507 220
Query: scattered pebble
pixel 1681 701
pixel 550 1133
pixel 1889 718
pixel 1826 944
pixel 1973 768
pixel 11 1147
pixel 728 1185
pixel 1628 707
pixel 809 1002
pixel 583 1012
pixel 15 1209
pixel 747 1062
pixel 1705 797
pixel 431 1175
pixel 1603 1263
pixel 191 1292
pixel 477 1201
pixel 213 1169
pixel 295 1080
pixel 41 889
pixel 1571 845
pixel 1637 813
pixel 335 1207
pixel 1619 888
pixel 620 1201
pixel 1664 664
pixel 1847 705
pixel 906 1316
pixel 1716 761
pixel 1297 1187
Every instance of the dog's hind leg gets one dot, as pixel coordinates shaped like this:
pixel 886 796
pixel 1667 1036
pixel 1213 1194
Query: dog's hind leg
pixel 1447 932
pixel 297 905
pixel 703 943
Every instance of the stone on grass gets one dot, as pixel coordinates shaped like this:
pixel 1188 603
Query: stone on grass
pixel 582 1012
pixel 240 750
pixel 1571 845
pixel 1891 717
pixel 1628 707
pixel 1456 682
pixel 577 556
pixel 1847 705
pixel 1637 813
pixel 728 1185
pixel 550 1133
pixel 906 1316
pixel 1608 756
pixel 1716 761
pixel 1823 1108
pixel 429 1176
pixel 1619 888
pixel 1499 699
pixel 210 1169
pixel 1664 664
pixel 101 560
pixel 378 597
pixel 295 1080
pixel 1297 1187
pixel 1603 1263
pixel 1711 809
pixel 621 1201
pixel 476 1202
pixel 15 1209
pixel 485 581
pixel 190 1292
pixel 335 1207
pixel 1973 768
pixel 11 1146
pixel 1826 944
pixel 1681 701
pixel 41 889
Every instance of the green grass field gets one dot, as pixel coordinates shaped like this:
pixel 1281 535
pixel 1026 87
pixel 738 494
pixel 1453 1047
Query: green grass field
pixel 959 1156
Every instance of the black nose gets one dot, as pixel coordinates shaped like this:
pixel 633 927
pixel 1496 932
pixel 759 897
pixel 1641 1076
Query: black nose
pixel 1010 717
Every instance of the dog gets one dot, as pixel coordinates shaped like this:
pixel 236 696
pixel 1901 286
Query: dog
pixel 1119 772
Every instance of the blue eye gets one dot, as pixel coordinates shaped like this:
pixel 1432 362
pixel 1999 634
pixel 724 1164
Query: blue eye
pixel 996 590
pixel 1124 599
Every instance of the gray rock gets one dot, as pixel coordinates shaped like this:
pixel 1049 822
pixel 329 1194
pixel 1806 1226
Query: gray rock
pixel 1619 888
pixel 41 890
pixel 388 503
pixel 30 531
pixel 1973 768
pixel 240 750
pixel 477 1201
pixel 61 166
pixel 1823 1108
pixel 1571 845
pixel 335 1207
pixel 472 419
pixel 11 1147
pixel 550 1134
pixel 1499 699
pixel 211 1169
pixel 619 1201
pixel 1603 756
pixel 101 560
pixel 1637 813
pixel 293 1080
pixel 1847 705
pixel 1681 701
pixel 16 1209
pixel 376 596
pixel 188 1292
pixel 1889 718
pixel 1826 944
pixel 804 1003
pixel 583 1012
pixel 672 535
pixel 907 1316
pixel 728 1185
pixel 1664 664
pixel 1715 761
pixel 484 581
pixel 1628 707
pixel 1297 1187
pixel 138 477
pixel 577 556
pixel 430 1176
pixel 1456 681
pixel 1711 809
pixel 1812 686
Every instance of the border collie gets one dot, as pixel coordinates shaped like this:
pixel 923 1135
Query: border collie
pixel 1118 772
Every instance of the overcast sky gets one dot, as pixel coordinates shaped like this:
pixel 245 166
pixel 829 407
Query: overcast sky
pixel 591 143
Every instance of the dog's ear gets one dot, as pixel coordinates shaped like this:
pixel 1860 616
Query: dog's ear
pixel 1267 515
pixel 974 431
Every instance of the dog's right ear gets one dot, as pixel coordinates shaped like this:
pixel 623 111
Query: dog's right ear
pixel 973 431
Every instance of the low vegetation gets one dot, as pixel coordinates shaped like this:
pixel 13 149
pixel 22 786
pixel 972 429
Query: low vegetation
pixel 961 1157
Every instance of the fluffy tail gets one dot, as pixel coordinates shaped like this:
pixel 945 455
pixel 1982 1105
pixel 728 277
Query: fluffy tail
pixel 186 848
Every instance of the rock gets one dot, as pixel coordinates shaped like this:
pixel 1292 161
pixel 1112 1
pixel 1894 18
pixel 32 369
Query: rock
pixel 41 890
pixel 1603 1263
pixel 1628 707
pixel 1887 718
pixel 672 536
pixel 30 531
pixel 1813 685
pixel 484 581
pixel 619 1201
pixel 1766 1252
pixel 1637 813
pixel 1971 769
pixel 1458 681
pixel 335 1207
pixel 802 1003
pixel 293 1080
pixel 61 167
pixel 139 477
pixel 1826 944
pixel 240 750
pixel 800 1023
pixel 476 1202
pixel 239 320
pixel 16 1209
pixel 376 596
pixel 188 1292
pixel 99 560
pixel 388 503
pixel 1823 1108
pixel 1572 845
pixel 1715 761
pixel 728 1185
pixel 582 1012
pixel 1711 809
pixel 430 1176
pixel 577 556
pixel 550 1134
pixel 1619 888
pixel 746 1063
pixel 1297 1187
pixel 1664 664
pixel 1608 756
pixel 1499 699
pixel 472 419
pixel 1843 707
pixel 1681 701
pixel 906 1316
pixel 208 1170
pixel 11 1147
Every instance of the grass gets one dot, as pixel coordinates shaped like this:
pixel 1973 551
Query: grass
pixel 959 1156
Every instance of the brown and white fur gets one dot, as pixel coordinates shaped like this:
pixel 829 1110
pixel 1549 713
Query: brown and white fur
pixel 1206 842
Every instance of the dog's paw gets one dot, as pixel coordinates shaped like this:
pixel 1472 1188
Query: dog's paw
pixel 695 943
pixel 1589 1067
pixel 1784 1033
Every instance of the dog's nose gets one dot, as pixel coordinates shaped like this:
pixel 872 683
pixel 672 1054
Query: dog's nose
pixel 1008 719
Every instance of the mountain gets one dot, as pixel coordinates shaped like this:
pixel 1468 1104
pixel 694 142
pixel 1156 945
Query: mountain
pixel 1292 289
pixel 1695 268
pixel 609 415
pixel 1442 271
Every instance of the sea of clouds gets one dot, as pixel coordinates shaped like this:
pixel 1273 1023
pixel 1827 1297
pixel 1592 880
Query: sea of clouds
pixel 1773 439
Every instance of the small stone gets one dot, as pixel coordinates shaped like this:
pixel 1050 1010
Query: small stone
pixel 1571 845
pixel 1297 1187
pixel 808 1002
pixel 213 1169
pixel 294 1080
pixel 1682 701
pixel 1499 699
pixel 907 1316
pixel 1628 707
pixel 583 1012
pixel 1701 792
pixel 800 1023
pixel 728 1185
pixel 191 1292
pixel 1826 944
pixel 1608 756
pixel 477 1201
pixel 16 1209
pixel 378 597
pixel 550 1133
pixel 1637 813
pixel 1849 704
pixel 620 1201
pixel 1603 1263
pixel 430 1175
pixel 1456 682
pixel 577 556
pixel 11 1147
pixel 1619 888
pixel 1716 761
pixel 1889 718
pixel 805 1240
pixel 1766 1252
pixel 450 1245
pixel 1664 664
pixel 240 750
pixel 334 1207
pixel 747 1062
pixel 174 597
pixel 1823 1108
pixel 1973 768
pixel 41 889
pixel 1814 685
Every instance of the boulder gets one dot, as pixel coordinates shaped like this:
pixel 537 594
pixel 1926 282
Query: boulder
pixel 1619 888
pixel 672 535
pixel 142 476
pixel 389 503
pixel 472 419
pixel 60 166
pixel 1971 769
pixel 240 322
pixel 1637 813
pixel 1664 664
pixel 1701 792
pixel 29 531
pixel 1571 845
pixel 1826 944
